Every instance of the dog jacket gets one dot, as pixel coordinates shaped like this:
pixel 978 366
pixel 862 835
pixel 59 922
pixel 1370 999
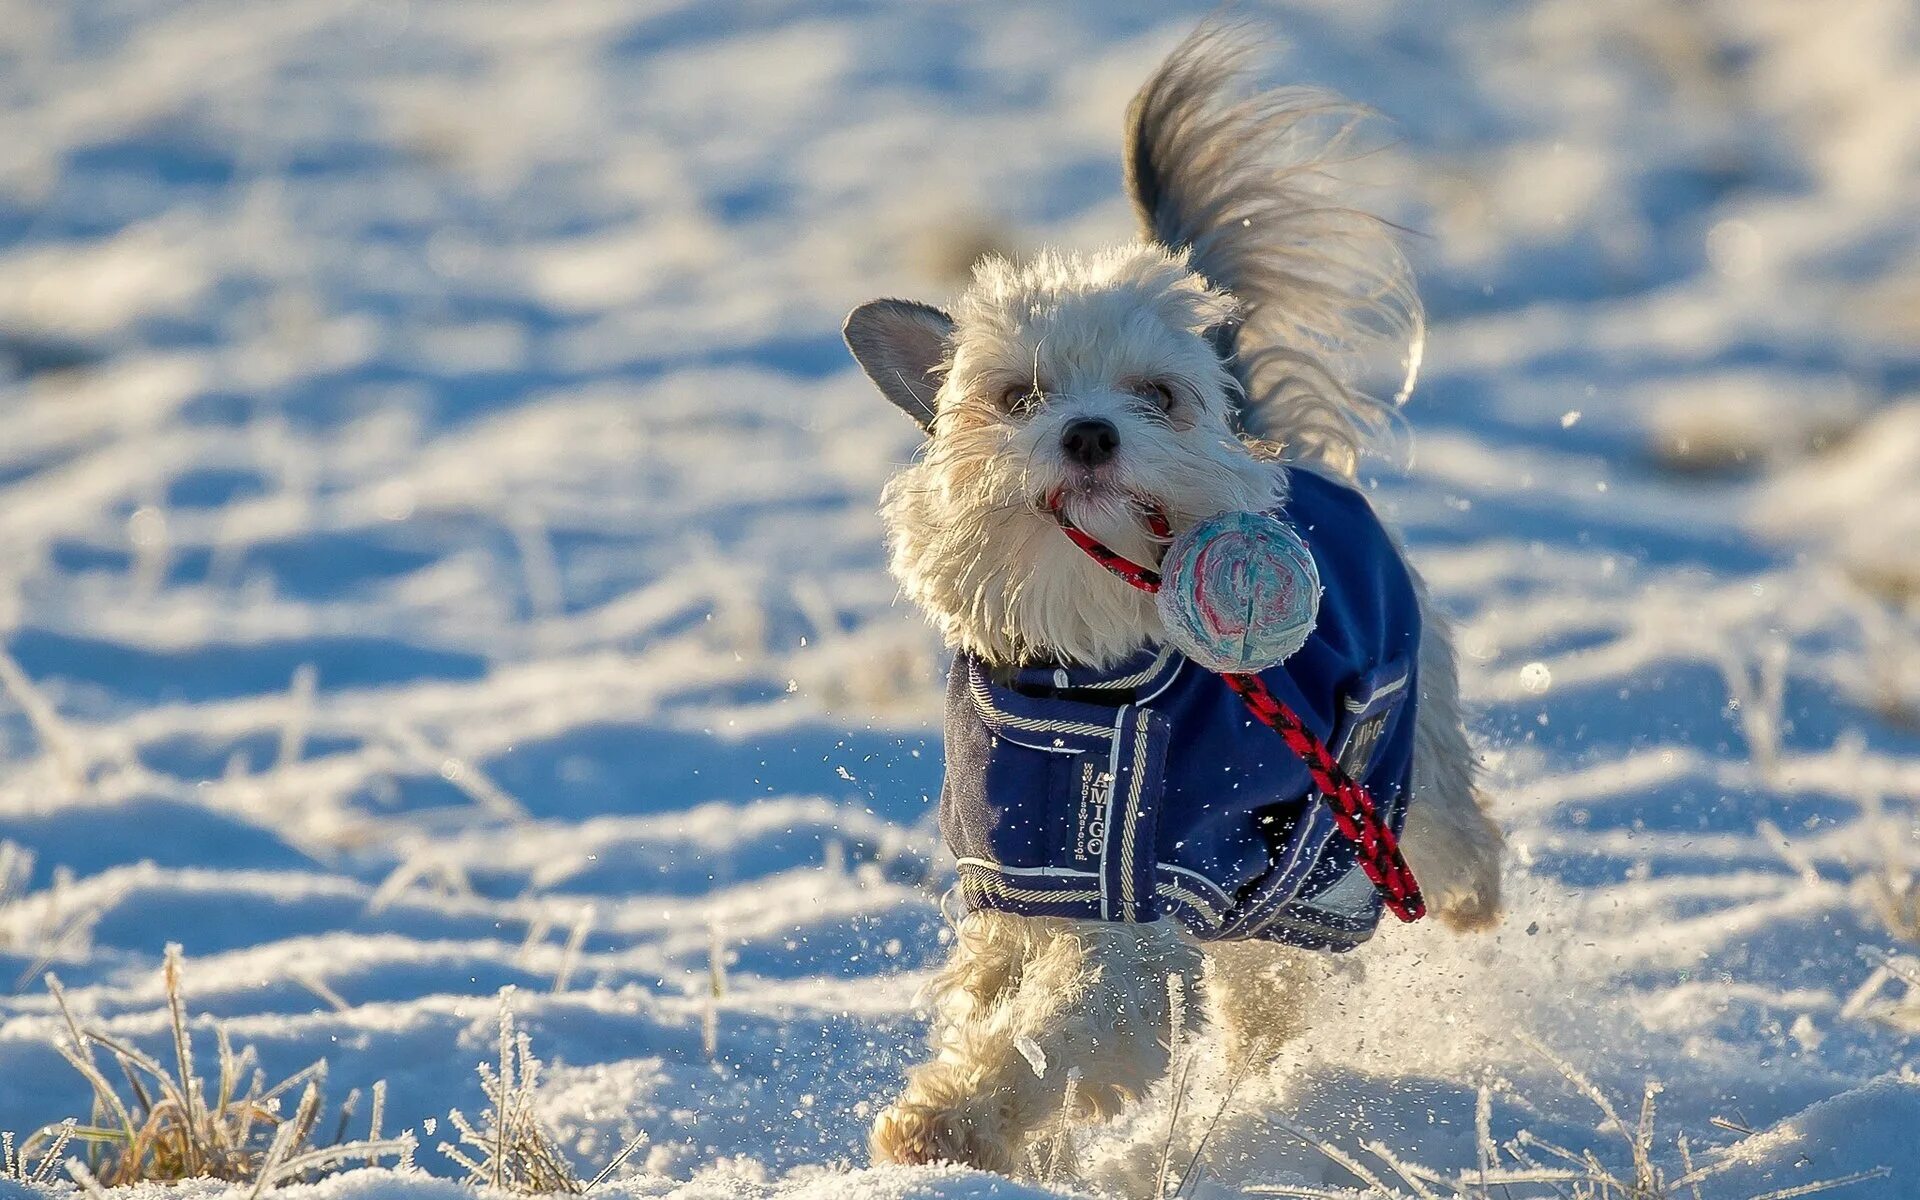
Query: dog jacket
pixel 1149 790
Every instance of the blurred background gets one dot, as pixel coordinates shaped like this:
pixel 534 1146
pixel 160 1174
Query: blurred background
pixel 438 551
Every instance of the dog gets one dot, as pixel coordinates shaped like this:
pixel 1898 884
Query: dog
pixel 1207 368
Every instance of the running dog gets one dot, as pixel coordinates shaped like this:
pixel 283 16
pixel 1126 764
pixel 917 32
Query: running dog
pixel 1116 817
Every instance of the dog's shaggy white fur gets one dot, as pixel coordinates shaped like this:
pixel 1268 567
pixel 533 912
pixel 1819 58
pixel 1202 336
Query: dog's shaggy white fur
pixel 1218 353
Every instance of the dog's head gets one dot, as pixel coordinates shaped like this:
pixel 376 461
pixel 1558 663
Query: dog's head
pixel 1090 382
pixel 1128 378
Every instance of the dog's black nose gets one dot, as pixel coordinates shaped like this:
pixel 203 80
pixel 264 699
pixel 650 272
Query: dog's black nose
pixel 1090 442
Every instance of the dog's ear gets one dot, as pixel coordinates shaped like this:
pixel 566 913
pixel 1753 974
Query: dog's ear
pixel 902 346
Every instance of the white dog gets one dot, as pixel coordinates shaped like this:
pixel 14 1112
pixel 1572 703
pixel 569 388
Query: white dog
pixel 1206 368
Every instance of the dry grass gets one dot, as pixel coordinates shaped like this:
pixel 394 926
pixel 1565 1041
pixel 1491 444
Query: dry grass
pixel 1528 1167
pixel 1734 423
pixel 1894 892
pixel 1194 1170
pixel 716 988
pixel 1885 677
pixel 15 1164
pixel 65 750
pixel 163 1123
pixel 1756 692
pixel 1893 885
pixel 16 867
pixel 510 1150
pixel 46 924
pixel 1871 1001
pixel 1179 1166
pixel 171 1125
pixel 1891 889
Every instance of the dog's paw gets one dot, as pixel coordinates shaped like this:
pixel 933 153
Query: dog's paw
pixel 1472 909
pixel 912 1132
pixel 1471 901
pixel 1455 854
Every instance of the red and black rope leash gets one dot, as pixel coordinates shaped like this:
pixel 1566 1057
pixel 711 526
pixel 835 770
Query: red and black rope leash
pixel 1353 810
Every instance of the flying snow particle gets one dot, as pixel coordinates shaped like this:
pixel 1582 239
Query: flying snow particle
pixel 1735 249
pixel 147 527
pixel 1535 678
pixel 1570 418
pixel 1035 1056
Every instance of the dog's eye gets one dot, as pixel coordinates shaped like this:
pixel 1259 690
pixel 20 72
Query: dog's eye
pixel 1157 392
pixel 1020 399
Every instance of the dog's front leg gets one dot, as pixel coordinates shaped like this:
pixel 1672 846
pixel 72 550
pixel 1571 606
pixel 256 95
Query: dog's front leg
pixel 1023 1004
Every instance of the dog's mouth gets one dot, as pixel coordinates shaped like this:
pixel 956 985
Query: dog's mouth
pixel 1101 503
pixel 1097 486
pixel 1088 481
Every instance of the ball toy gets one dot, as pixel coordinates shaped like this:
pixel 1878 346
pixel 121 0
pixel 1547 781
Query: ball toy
pixel 1238 592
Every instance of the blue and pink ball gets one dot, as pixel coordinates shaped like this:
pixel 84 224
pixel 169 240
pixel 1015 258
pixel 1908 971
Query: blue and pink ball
pixel 1238 592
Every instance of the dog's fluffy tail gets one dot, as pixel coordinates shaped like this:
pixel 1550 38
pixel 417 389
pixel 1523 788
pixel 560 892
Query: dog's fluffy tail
pixel 1239 178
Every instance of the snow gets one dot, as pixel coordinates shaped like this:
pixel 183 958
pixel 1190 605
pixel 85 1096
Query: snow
pixel 437 524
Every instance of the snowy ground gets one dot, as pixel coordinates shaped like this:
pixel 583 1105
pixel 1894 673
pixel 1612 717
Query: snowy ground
pixel 436 523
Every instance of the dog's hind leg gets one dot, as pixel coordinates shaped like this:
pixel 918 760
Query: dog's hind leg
pixel 1023 1003
pixel 1258 997
pixel 1451 843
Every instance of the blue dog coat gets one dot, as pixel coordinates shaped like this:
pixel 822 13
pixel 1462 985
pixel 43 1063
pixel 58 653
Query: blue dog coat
pixel 1149 790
